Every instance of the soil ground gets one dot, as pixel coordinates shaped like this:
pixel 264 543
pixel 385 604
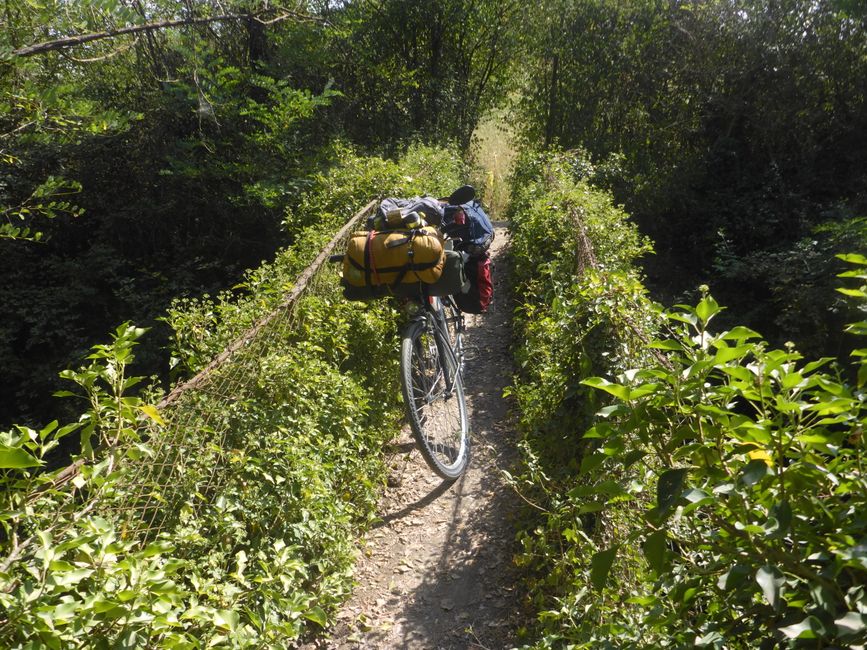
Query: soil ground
pixel 436 572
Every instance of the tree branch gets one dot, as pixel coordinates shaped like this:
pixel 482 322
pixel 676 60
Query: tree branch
pixel 72 41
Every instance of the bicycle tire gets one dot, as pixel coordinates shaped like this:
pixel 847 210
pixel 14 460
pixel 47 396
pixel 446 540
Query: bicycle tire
pixel 437 414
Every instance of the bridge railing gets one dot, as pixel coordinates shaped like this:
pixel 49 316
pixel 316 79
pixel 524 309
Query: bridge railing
pixel 178 458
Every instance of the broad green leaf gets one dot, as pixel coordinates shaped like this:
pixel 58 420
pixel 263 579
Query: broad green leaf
pixel 669 487
pixel 226 619
pixel 17 458
pixel 740 333
pixel 591 462
pixel 618 390
pixel 61 565
pixel 157 548
pixel 655 549
pixel 771 580
pixel 696 498
pixel 853 258
pixel 613 410
pixel 755 471
pixel 815 365
pixel 605 488
pixel 734 577
pixel 101 605
pixel 599 430
pixel 317 615
pixel 738 372
pixel 706 309
pixel 779 520
pixel 814 439
pixel 668 344
pixel 683 317
pixel 642 390
pixel 832 407
pixel 786 406
pixel 793 380
pixel 710 409
pixel 600 566
pixel 47 429
pixel 713 638
pixel 802 630
pixel 749 431
pixel 833 387
pixel 632 457
pixel 66 429
pixel 724 354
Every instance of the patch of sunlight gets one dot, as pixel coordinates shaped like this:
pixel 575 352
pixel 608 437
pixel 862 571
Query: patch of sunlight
pixel 491 156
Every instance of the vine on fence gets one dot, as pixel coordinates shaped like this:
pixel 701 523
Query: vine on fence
pixel 707 491
pixel 227 518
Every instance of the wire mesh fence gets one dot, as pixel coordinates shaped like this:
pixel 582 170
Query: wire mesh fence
pixel 179 464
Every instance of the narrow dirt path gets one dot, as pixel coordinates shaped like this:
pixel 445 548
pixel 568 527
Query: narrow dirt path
pixel 437 571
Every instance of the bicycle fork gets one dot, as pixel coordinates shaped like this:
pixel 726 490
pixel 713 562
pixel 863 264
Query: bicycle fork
pixel 452 363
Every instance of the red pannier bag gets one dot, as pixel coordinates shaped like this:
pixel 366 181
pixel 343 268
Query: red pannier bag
pixel 481 293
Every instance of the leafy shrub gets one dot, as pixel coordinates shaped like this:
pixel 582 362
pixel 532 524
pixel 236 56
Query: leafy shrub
pixel 577 319
pixel 203 327
pixel 791 289
pixel 716 502
pixel 250 541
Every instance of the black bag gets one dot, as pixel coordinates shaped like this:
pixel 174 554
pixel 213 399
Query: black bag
pixel 453 280
pixel 481 291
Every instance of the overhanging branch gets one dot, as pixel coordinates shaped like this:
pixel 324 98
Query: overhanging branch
pixel 80 39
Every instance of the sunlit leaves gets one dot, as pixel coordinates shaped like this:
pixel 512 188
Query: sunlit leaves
pixel 745 467
pixel 16 458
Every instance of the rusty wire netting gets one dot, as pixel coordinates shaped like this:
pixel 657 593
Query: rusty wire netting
pixel 184 459
pixel 190 452
pixel 586 259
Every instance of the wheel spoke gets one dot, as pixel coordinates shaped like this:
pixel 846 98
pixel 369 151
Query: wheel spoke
pixel 435 401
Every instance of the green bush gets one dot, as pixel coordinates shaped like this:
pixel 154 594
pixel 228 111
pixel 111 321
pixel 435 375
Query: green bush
pixel 203 327
pixel 577 318
pixel 716 497
pixel 278 463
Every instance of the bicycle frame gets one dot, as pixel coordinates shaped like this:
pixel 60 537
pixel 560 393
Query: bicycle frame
pixel 432 311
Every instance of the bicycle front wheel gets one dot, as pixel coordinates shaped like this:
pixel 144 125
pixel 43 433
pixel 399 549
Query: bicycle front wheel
pixel 433 393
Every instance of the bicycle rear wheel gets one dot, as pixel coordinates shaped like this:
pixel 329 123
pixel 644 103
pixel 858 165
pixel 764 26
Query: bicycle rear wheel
pixel 433 393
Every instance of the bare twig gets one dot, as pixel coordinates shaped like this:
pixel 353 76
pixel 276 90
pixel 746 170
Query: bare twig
pixel 20 128
pixel 112 54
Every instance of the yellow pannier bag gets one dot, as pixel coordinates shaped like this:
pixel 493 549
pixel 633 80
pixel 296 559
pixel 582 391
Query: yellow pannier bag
pixel 393 257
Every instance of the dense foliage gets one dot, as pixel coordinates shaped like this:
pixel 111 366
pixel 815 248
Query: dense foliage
pixel 147 166
pixel 734 132
pixel 718 500
pixel 249 542
pixel 152 152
